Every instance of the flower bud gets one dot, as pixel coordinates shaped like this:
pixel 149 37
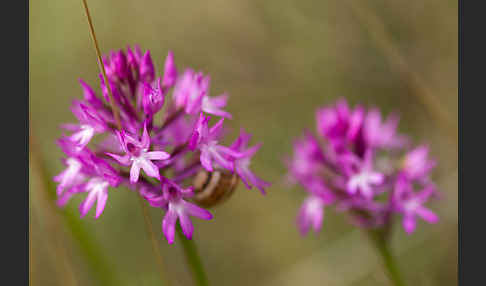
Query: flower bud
pixel 170 71
pixel 147 72
pixel 153 98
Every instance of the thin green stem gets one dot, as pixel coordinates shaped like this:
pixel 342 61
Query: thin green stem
pixel 382 245
pixel 193 259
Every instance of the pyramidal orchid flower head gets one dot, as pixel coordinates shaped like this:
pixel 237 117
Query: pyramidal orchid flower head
pixel 138 149
pixel 346 169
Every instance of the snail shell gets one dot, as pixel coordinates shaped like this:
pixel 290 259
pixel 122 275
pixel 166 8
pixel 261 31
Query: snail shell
pixel 212 188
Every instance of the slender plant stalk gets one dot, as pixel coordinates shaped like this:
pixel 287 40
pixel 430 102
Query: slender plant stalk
pixel 153 239
pixel 90 250
pixel 193 259
pixel 102 66
pixel 383 247
pixel 379 35
pixel 148 223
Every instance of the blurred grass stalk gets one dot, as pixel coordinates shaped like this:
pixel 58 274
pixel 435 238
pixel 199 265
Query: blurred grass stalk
pixel 378 33
pixel 90 250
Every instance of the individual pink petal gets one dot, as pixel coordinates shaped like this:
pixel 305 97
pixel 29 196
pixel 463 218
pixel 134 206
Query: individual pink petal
pixel 194 106
pixel 352 187
pixel 149 168
pixel 193 140
pixel 64 199
pixel 90 95
pixel 134 172
pixel 121 139
pixel 147 71
pixel 213 105
pixel 376 178
pixel 205 158
pixel 229 152
pixel 86 205
pixel 225 163
pixel 186 225
pixel 250 151
pixel 409 224
pixel 220 100
pixel 101 202
pixel 70 126
pixel 303 222
pixel 257 182
pixel 242 173
pixel 355 122
pixel 168 225
pixel 242 141
pixel 158 155
pixel 145 144
pixel 427 214
pixel 124 160
pixel 311 213
pixel 196 211
pixel 317 221
pixel 218 112
pixel 217 127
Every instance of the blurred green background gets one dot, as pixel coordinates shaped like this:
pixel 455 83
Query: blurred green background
pixel 279 61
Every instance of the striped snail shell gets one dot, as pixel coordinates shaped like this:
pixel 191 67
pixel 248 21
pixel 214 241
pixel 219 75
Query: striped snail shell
pixel 212 188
